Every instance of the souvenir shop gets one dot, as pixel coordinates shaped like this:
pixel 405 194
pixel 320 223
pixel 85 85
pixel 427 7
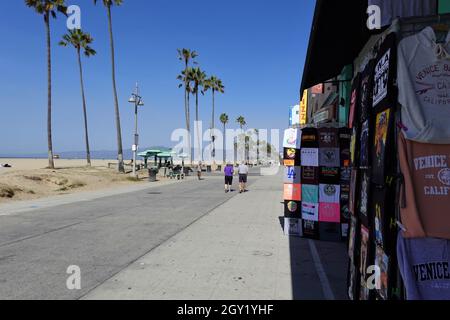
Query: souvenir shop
pixel 381 181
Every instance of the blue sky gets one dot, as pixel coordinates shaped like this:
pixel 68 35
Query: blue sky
pixel 257 47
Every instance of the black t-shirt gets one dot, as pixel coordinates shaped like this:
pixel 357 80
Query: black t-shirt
pixel 328 137
pixel 365 145
pixel 310 138
pixel 353 116
pixel 310 175
pixel 382 149
pixel 364 198
pixel 345 135
pixel 329 175
pixel 366 92
pixel 384 91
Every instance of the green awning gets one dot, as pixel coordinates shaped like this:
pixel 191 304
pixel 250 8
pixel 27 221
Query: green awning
pixel 149 153
pixel 164 155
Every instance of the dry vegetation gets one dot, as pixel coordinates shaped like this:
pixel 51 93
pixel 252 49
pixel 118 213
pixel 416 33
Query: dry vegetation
pixel 37 183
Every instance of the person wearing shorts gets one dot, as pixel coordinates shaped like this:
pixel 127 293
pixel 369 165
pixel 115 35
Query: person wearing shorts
pixel 243 173
pixel 229 171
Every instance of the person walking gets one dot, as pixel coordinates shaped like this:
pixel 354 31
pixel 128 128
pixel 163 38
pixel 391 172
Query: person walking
pixel 243 174
pixel 199 171
pixel 229 171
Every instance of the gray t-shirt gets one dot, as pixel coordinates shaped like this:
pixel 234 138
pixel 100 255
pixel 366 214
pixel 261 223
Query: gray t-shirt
pixel 424 264
pixel 423 77
pixel 243 169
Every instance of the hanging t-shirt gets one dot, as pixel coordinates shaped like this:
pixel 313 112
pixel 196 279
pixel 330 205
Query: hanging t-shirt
pixel 310 138
pixel 354 188
pixel 329 175
pixel 328 137
pixel 292 209
pixel 382 262
pixel 293 192
pixel 310 175
pixel 425 199
pixel 310 157
pixel 423 78
pixel 292 138
pixel 382 141
pixel 292 175
pixel 365 145
pixel 364 197
pixel 292 155
pixel 354 147
pixel 310 211
pixel 392 9
pixel 329 157
pixel 345 211
pixel 354 101
pixel 424 265
pixel 346 174
pixel 366 92
pixel 384 91
pixel 329 193
pixel 329 212
pixel 345 136
pixel 310 229
pixel 310 193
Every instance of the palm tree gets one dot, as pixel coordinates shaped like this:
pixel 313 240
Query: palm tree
pixel 257 146
pixel 224 119
pixel 80 40
pixel 215 85
pixel 186 55
pixel 241 121
pixel 48 8
pixel 198 77
pixel 108 4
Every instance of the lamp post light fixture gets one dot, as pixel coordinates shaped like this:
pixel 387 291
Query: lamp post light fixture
pixel 136 99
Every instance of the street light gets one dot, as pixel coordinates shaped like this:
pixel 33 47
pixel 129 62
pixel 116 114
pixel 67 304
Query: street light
pixel 136 99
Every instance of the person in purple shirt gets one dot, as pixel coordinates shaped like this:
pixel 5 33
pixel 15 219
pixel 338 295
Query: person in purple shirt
pixel 229 171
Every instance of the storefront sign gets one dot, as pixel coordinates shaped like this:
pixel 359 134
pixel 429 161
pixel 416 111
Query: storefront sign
pixel 304 108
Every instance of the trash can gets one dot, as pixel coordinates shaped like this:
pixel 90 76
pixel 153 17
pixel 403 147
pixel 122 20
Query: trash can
pixel 152 172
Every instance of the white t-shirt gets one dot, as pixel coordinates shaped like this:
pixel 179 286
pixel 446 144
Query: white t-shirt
pixel 243 169
pixel 292 138
pixel 310 157
pixel 329 193
pixel 423 78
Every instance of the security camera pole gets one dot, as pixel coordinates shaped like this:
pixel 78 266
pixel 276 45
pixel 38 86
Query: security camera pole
pixel 138 102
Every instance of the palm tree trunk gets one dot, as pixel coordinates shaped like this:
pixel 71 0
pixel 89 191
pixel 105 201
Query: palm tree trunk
pixel 189 128
pixel 224 141
pixel 212 125
pixel 86 136
pixel 196 119
pixel 186 109
pixel 116 100
pixel 51 163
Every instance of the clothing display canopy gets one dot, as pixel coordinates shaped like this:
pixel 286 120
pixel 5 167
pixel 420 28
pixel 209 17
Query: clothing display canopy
pixel 338 34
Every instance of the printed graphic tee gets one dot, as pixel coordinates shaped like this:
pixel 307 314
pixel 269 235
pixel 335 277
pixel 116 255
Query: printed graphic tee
pixel 329 157
pixel 310 138
pixel 425 196
pixel 310 193
pixel 292 175
pixel 353 117
pixel 292 138
pixel 310 175
pixel 366 92
pixel 424 87
pixel 310 211
pixel 328 137
pixel 310 157
pixel 329 193
pixel 381 144
pixel 425 267
pixel 384 91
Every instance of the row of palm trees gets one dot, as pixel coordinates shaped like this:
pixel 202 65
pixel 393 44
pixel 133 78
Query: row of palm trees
pixel 194 81
pixel 81 41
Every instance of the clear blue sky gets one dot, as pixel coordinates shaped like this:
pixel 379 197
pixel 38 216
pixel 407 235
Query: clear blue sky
pixel 257 47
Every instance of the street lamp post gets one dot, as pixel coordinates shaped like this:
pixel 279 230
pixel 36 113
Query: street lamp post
pixel 136 99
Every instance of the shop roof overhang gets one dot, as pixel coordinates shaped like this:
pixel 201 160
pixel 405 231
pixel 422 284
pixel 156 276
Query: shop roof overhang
pixel 338 34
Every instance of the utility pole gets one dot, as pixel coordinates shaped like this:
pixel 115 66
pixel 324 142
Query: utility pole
pixel 136 99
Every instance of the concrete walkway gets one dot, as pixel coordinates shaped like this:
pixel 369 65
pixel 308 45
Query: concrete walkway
pixel 237 251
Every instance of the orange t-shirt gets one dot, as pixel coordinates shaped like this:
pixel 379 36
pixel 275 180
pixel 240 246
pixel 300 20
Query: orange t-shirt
pixel 425 199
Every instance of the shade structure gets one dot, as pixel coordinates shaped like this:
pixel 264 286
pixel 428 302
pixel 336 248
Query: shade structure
pixel 149 153
pixel 338 34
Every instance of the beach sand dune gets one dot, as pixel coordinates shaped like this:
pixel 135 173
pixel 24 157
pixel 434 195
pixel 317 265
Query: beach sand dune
pixel 29 179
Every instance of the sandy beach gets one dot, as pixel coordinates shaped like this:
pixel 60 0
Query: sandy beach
pixel 29 179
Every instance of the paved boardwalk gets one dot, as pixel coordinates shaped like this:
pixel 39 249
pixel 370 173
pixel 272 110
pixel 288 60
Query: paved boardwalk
pixel 185 240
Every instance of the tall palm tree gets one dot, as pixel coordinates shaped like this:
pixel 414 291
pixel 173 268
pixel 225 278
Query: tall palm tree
pixel 108 4
pixel 257 146
pixel 215 85
pixel 241 121
pixel 224 119
pixel 81 41
pixel 48 8
pixel 198 77
pixel 186 55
